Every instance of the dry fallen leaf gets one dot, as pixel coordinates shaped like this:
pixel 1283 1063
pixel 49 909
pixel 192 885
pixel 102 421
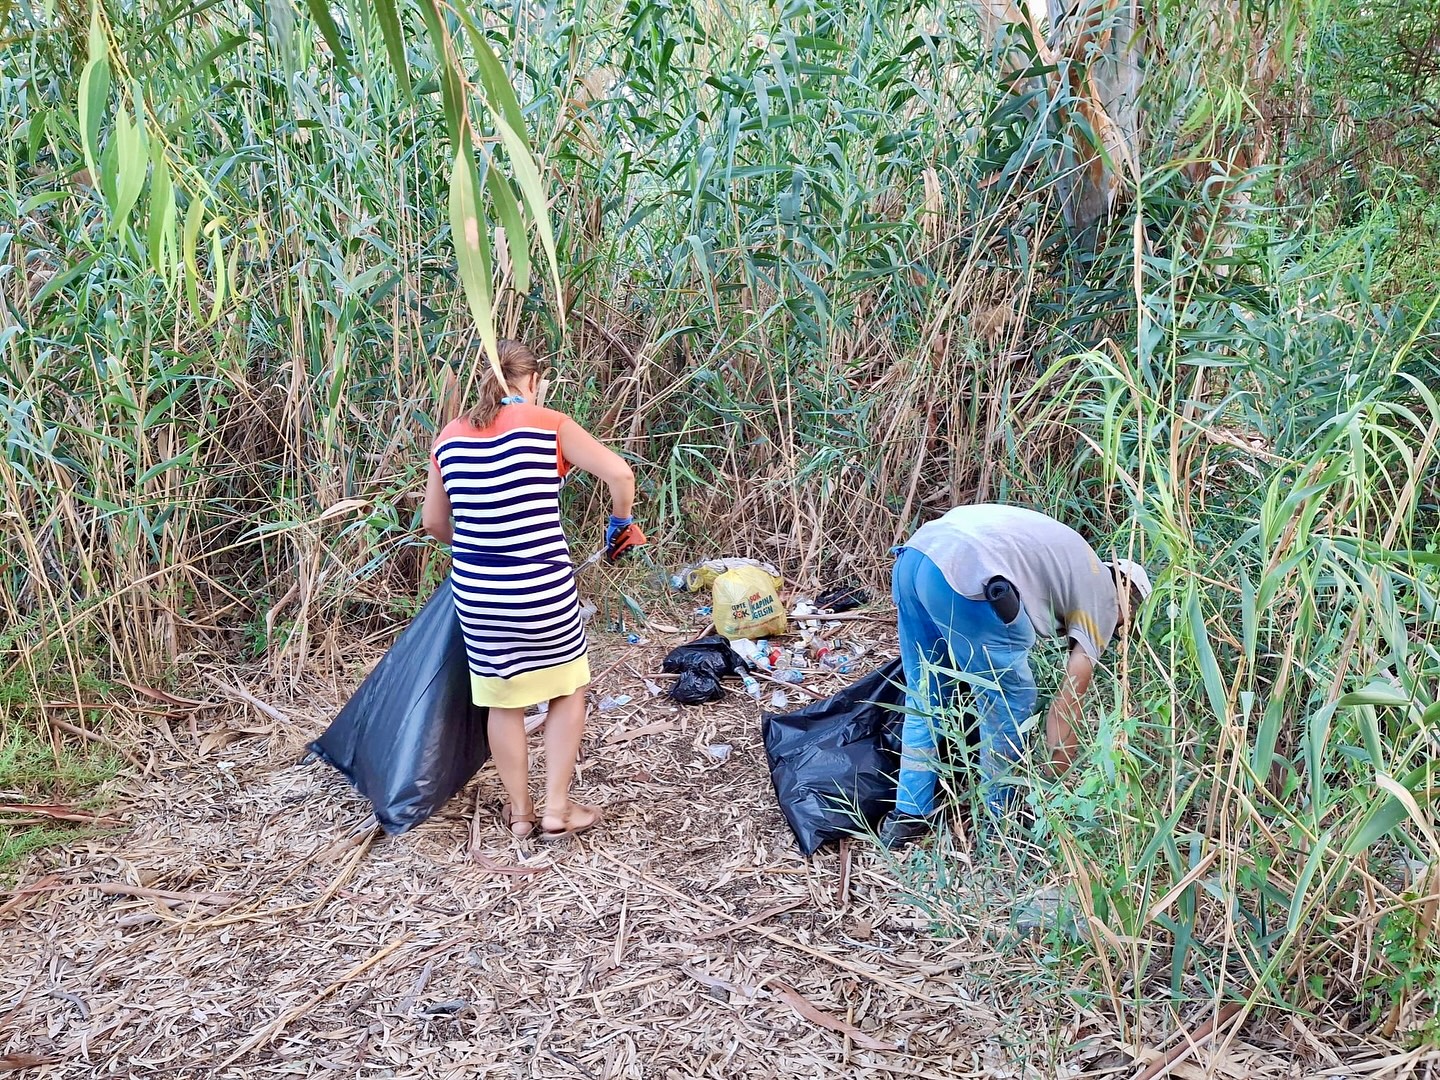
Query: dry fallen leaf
pixel 815 1015
pixel 644 729
pixel 15 1062
pixel 161 695
pixel 58 812
pixel 217 739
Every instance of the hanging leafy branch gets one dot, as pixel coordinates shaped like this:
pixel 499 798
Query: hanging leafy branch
pixel 496 220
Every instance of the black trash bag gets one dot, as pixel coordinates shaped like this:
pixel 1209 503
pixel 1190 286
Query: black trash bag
pixel 410 737
pixel 834 763
pixel 696 688
pixel 842 598
pixel 701 665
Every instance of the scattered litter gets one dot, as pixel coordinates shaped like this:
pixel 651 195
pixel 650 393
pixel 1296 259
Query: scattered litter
pixel 789 675
pixel 745 649
pixel 609 704
pixel 807 628
pixel 653 688
pixel 701 665
pixel 842 598
pixel 752 687
pixel 702 575
pixel 636 639
pixel 704 609
pixel 719 751
pixel 779 699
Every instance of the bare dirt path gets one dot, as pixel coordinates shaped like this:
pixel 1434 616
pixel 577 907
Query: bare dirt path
pixel 247 922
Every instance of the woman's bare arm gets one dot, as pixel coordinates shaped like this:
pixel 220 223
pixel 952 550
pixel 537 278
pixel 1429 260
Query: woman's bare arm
pixel 587 452
pixel 435 511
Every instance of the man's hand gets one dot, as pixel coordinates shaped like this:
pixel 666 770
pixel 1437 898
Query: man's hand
pixel 1064 711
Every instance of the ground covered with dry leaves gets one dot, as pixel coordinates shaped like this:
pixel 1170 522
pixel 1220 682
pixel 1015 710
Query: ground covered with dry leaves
pixel 248 920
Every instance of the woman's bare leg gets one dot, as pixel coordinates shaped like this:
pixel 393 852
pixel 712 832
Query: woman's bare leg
pixel 564 727
pixel 511 753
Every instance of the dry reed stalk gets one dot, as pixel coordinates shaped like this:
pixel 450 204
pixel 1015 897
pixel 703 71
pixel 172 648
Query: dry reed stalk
pixel 93 736
pixel 1191 1043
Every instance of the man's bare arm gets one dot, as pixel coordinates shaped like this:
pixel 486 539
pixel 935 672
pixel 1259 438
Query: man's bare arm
pixel 1064 712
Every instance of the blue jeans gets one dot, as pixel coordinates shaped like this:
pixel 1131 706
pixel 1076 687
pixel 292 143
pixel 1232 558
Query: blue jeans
pixel 940 629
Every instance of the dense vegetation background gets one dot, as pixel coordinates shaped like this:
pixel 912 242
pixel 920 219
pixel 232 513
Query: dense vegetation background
pixel 823 277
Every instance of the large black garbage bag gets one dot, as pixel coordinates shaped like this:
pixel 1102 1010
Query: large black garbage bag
pixel 701 665
pixel 410 737
pixel 834 763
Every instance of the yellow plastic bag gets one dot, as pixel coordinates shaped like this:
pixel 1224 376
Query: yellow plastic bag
pixel 746 604
pixel 703 575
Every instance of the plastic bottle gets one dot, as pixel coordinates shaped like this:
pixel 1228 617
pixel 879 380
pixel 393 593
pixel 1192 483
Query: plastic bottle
pixel 789 675
pixel 752 687
pixel 746 650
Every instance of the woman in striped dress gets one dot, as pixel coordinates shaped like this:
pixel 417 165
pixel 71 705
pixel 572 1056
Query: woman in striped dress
pixel 493 494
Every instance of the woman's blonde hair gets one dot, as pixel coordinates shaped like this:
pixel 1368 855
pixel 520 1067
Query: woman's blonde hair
pixel 516 363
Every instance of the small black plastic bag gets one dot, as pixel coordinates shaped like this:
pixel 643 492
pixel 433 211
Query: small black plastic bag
pixel 834 763
pixel 701 665
pixel 842 598
pixel 410 737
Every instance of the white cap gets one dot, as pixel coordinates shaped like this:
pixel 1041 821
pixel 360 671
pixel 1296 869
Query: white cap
pixel 1135 574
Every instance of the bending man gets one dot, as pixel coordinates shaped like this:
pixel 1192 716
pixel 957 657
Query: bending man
pixel 973 589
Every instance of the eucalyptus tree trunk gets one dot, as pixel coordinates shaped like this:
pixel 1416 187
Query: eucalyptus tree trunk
pixel 1092 57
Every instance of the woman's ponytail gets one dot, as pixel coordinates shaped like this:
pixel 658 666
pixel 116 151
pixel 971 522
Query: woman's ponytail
pixel 516 362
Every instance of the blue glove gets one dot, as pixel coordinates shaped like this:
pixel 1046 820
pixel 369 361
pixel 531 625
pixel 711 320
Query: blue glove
pixel 616 526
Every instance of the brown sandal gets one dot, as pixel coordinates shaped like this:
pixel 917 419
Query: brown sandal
pixel 515 822
pixel 574 830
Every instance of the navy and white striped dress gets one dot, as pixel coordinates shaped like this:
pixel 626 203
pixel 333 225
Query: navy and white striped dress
pixel 514 580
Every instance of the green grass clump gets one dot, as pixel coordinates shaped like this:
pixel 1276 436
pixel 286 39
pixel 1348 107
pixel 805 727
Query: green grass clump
pixel 33 771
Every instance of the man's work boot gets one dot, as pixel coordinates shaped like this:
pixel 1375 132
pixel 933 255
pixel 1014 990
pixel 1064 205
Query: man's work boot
pixel 899 830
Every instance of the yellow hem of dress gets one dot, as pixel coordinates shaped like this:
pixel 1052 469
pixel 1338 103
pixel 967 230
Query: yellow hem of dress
pixel 530 687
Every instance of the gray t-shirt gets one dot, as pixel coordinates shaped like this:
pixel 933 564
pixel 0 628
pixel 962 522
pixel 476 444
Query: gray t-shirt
pixel 1066 589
